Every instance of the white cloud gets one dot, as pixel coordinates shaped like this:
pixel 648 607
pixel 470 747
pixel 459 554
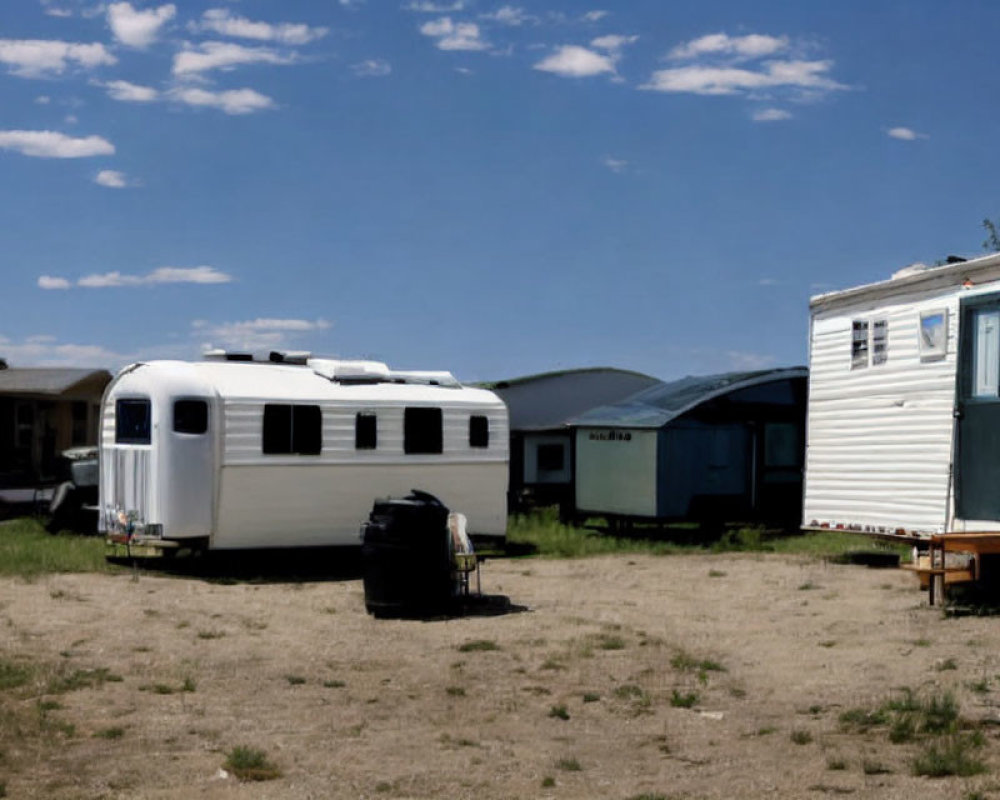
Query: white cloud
pixel 509 15
pixel 256 333
pixel 612 43
pixel 572 61
pixel 56 11
pixel 43 99
pixel 52 144
pixel 428 7
pixel 35 58
pixel 45 351
pixel 371 68
pixel 905 134
pixel 225 23
pixel 232 101
pixel 162 275
pixel 751 46
pixel 135 27
pixel 130 92
pixel 595 16
pixel 454 35
pixel 770 115
pixel 71 119
pixel 616 165
pixel 768 282
pixel 51 282
pixel 111 178
pixel 223 55
pixel 709 80
pixel 739 359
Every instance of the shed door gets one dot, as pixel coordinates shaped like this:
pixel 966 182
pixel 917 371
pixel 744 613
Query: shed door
pixel 977 478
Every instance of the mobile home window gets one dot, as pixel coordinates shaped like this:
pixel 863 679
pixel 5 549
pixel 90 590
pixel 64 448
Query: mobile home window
pixel 190 416
pixel 880 341
pixel 79 432
pixel 365 432
pixel 292 430
pixel 422 430
pixel 479 432
pixel 859 343
pixel 551 457
pixel 132 422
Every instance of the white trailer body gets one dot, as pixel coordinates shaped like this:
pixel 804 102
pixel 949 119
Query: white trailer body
pixel 903 428
pixel 235 455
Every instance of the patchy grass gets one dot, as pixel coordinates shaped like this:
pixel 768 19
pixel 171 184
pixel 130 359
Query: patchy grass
pixel 27 551
pixel 559 712
pixel 569 765
pixel 591 697
pixel 478 646
pixel 250 764
pixel 800 737
pixel 683 699
pixel 295 680
pixel 82 679
pixel 455 691
pixel 13 675
pixel 110 733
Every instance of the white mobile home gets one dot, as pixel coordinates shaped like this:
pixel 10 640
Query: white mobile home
pixel 903 432
pixel 226 454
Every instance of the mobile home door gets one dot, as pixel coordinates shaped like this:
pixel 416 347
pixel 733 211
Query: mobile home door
pixel 977 463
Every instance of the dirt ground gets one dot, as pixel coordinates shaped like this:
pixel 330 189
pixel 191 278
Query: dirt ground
pixel 573 696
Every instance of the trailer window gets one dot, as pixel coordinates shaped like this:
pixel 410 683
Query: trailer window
pixel 479 432
pixel 190 416
pixel 132 422
pixel 551 457
pixel 365 432
pixel 422 430
pixel 292 430
pixel 859 344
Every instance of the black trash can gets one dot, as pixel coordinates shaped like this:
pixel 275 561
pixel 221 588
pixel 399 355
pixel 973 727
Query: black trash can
pixel 406 560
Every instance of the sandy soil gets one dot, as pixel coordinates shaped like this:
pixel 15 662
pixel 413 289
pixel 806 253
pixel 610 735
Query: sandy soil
pixel 350 706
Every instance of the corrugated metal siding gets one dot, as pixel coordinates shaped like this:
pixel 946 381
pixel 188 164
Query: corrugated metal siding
pixel 244 424
pixel 126 481
pixel 879 438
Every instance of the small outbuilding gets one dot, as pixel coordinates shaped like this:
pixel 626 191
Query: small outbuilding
pixel 43 411
pixel 541 443
pixel 722 447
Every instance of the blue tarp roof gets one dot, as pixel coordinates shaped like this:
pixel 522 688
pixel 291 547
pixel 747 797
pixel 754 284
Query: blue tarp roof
pixel 656 406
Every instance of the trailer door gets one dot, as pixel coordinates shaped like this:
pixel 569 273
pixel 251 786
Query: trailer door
pixel 977 463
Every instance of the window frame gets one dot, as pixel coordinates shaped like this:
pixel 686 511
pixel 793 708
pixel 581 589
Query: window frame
pixel 479 431
pixel 304 436
pixel 363 438
pixel 202 429
pixel 145 435
pixel 421 442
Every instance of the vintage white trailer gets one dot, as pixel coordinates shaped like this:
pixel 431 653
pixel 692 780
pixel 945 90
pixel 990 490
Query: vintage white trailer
pixel 232 454
pixel 903 430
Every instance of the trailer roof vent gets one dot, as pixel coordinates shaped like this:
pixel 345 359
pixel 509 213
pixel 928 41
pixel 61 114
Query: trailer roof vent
pixel 912 269
pixel 349 371
pixel 226 355
pixel 289 356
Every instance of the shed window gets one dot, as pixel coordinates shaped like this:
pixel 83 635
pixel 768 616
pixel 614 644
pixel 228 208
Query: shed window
pixel 365 432
pixel 422 430
pixel 859 344
pixel 479 432
pixel 132 422
pixel 190 416
pixel 292 429
pixel 551 457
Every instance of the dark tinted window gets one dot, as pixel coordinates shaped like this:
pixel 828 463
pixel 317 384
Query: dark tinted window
pixel 190 416
pixel 422 430
pixel 365 432
pixel 132 422
pixel 551 457
pixel 479 432
pixel 292 429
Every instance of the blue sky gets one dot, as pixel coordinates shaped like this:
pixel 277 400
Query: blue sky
pixel 491 188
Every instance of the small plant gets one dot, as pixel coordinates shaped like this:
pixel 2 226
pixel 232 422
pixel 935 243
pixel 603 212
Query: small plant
pixel 683 700
pixel 628 691
pixel 455 691
pixel 807 586
pixel 952 757
pixel 295 680
pixel 157 688
pixel 110 733
pixel 82 679
pixel 874 768
pixel 188 685
pixel 569 765
pixel 716 573
pixel 553 664
pixel 980 686
pixel 648 796
pixel 14 675
pixel 478 646
pixel 250 764
pixel 591 697
pixel 800 737
pixel 836 764
pixel 559 712
pixel 921 642
pixel 606 642
pixel 383 786
pixel 947 664
pixel 334 684
pixel 211 634
pixel 548 782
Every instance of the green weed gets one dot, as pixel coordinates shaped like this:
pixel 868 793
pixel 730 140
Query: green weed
pixel 250 764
